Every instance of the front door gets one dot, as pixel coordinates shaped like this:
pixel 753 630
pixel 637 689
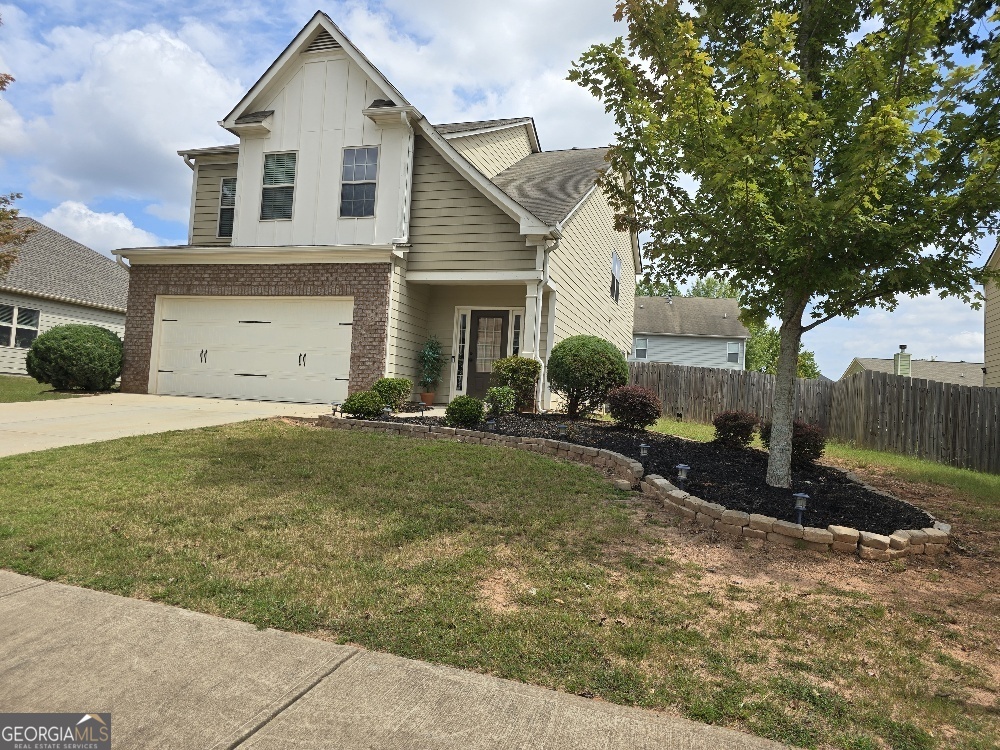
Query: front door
pixel 487 343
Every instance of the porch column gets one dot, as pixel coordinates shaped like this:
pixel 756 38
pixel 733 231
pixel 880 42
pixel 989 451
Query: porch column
pixel 529 347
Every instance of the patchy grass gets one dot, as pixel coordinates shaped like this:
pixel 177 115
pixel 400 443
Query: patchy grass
pixel 15 388
pixel 509 563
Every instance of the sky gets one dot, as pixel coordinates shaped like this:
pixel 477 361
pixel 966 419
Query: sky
pixel 107 91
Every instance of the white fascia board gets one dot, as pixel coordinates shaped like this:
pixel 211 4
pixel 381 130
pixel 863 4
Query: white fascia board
pixel 994 260
pixel 692 335
pixel 60 298
pixel 473 277
pixel 529 223
pixel 392 116
pixel 285 254
pixel 320 19
pixel 529 123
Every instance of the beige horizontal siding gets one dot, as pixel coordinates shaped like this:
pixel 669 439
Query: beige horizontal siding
pixel 581 268
pixel 407 325
pixel 992 330
pixel 454 227
pixel 492 153
pixel 205 222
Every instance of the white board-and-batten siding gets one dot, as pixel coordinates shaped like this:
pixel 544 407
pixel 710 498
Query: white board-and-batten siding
pixel 491 153
pixel 317 108
pixel 454 227
pixel 692 351
pixel 51 314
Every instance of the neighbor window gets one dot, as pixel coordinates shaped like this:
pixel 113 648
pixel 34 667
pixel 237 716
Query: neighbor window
pixel 616 275
pixel 279 186
pixel 357 191
pixel 640 348
pixel 18 326
pixel 734 351
pixel 227 206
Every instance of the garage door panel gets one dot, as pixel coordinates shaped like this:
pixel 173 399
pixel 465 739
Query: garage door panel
pixel 267 348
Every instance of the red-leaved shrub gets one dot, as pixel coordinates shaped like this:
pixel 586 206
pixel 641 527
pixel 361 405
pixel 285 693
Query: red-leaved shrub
pixel 734 429
pixel 808 442
pixel 634 407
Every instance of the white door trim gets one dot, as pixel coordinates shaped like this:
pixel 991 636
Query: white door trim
pixel 453 390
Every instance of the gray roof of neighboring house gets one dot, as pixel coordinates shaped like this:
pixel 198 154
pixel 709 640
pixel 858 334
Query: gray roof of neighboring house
pixel 550 184
pixel 956 373
pixel 50 264
pixel 689 316
pixel 460 127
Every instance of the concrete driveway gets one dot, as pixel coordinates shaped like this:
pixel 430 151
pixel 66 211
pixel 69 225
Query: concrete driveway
pixel 39 425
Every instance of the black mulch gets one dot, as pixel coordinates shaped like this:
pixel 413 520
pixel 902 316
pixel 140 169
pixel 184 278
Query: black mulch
pixel 733 478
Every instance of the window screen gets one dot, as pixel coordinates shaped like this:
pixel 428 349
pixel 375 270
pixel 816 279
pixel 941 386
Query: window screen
pixel 357 192
pixel 279 186
pixel 227 206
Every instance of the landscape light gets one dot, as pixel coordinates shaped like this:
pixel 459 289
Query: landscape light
pixel 682 474
pixel 563 429
pixel 491 425
pixel 386 411
pixel 336 407
pixel 801 501
pixel 643 450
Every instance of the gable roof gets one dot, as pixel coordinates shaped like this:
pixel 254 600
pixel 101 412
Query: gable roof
pixel 51 265
pixel 689 316
pixel 449 128
pixel 956 373
pixel 551 184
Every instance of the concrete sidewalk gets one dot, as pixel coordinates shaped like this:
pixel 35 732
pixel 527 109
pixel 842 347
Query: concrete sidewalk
pixel 178 679
pixel 39 425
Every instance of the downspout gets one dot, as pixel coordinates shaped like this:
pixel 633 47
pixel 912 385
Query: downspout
pixel 406 185
pixel 537 327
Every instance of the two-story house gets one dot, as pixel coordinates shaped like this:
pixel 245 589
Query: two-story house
pixel 344 230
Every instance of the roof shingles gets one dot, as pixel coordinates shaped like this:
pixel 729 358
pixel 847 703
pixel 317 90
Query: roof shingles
pixel 50 264
pixel 689 316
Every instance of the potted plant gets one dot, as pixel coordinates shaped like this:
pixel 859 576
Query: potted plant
pixel 431 363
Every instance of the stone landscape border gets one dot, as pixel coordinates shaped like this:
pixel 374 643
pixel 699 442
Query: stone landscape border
pixel 628 474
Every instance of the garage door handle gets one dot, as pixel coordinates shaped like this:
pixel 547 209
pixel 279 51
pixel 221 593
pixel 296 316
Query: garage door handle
pixel 203 356
pixel 300 360
pixel 304 359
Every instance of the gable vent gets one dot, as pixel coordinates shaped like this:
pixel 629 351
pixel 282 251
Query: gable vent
pixel 323 43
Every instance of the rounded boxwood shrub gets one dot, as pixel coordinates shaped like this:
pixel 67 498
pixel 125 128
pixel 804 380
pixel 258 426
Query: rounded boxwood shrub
pixel 363 405
pixel 393 391
pixel 500 400
pixel 76 356
pixel 464 411
pixel 634 407
pixel 734 429
pixel 808 442
pixel 521 374
pixel 582 369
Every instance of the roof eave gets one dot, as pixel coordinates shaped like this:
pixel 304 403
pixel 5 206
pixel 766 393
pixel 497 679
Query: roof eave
pixel 61 298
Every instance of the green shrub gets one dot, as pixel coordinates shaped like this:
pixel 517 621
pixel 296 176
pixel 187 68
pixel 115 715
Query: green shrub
pixel 521 374
pixel 734 429
pixel 634 407
pixel 393 391
pixel 808 442
pixel 431 362
pixel 500 400
pixel 582 369
pixel 464 411
pixel 364 405
pixel 76 356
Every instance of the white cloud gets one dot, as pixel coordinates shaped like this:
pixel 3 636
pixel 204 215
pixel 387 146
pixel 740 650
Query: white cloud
pixel 104 232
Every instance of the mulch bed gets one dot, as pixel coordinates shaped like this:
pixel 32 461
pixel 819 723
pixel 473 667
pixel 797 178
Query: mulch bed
pixel 733 478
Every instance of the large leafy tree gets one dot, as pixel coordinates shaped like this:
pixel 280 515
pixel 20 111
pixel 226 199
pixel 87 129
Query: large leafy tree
pixel 821 166
pixel 11 236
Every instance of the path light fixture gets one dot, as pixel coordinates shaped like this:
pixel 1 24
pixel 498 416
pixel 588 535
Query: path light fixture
pixel 801 501
pixel 422 407
pixel 386 411
pixel 336 407
pixel 563 430
pixel 682 474
pixel 491 425
pixel 644 450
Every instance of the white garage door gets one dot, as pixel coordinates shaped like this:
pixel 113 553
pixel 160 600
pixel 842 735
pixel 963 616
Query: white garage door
pixel 262 348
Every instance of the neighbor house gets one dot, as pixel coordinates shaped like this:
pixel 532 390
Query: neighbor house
pixel 344 230
pixel 902 363
pixel 693 331
pixel 56 280
pixel 992 329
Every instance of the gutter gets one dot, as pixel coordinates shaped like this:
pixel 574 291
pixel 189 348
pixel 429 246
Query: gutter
pixel 60 298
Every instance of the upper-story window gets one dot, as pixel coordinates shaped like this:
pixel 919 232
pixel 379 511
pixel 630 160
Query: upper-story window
pixel 357 191
pixel 18 326
pixel 616 275
pixel 278 192
pixel 227 206
pixel 733 351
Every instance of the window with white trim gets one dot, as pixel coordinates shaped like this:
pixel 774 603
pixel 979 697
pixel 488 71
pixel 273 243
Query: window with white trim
pixel 616 276
pixel 18 326
pixel 733 351
pixel 516 337
pixel 227 206
pixel 463 321
pixel 278 191
pixel 357 187
pixel 640 348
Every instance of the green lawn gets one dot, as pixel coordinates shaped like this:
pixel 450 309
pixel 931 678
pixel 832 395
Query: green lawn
pixel 22 388
pixel 503 562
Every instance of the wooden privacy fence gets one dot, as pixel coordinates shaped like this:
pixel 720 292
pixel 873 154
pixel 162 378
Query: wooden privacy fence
pixel 950 424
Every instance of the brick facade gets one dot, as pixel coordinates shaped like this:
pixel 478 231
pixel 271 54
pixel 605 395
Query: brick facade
pixel 368 283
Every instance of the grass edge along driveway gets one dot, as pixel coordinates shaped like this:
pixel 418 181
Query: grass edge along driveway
pixel 489 559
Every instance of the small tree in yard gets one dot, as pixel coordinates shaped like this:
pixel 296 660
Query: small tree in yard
pixel 820 166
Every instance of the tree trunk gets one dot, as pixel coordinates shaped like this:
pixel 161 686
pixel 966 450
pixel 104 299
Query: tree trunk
pixel 779 461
